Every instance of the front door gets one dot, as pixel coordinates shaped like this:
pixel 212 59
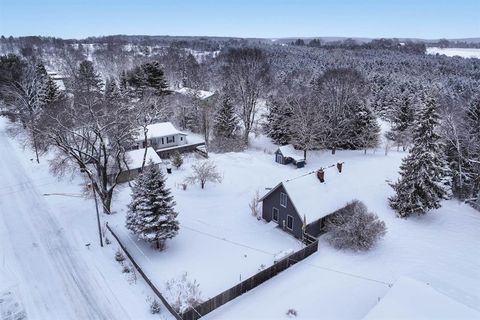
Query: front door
pixel 279 158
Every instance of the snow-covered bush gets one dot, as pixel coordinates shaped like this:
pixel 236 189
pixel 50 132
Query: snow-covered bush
pixel 353 227
pixel 177 160
pixel 291 313
pixel 182 293
pixel 155 306
pixel 203 172
pixel 119 256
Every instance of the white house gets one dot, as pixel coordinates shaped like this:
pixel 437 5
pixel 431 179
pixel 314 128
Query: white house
pixel 160 136
pixel 134 160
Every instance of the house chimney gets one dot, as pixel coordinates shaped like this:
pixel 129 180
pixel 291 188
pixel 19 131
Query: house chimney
pixel 339 166
pixel 321 175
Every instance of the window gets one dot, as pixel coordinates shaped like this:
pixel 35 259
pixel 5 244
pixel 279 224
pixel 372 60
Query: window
pixel 283 200
pixel 181 138
pixel 290 222
pixel 170 139
pixel 163 142
pixel 275 214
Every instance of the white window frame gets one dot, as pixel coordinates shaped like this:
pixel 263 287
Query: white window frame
pixel 283 195
pixel 293 220
pixel 278 214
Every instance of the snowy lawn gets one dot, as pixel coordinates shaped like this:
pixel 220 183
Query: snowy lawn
pixel 219 241
pixel 439 248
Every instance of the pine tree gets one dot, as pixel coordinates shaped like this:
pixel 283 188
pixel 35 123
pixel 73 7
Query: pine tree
pixel 154 78
pixel 225 122
pixel 402 116
pixel 277 125
pixel 423 172
pixel 365 129
pixel 151 215
pixel 87 79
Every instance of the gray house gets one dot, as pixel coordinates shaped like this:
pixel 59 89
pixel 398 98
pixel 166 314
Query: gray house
pixel 303 203
pixel 288 154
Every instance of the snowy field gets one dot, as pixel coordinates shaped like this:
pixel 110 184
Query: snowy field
pixel 456 52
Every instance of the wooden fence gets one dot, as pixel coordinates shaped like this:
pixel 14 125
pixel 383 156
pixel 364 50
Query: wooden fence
pixel 250 283
pixel 144 276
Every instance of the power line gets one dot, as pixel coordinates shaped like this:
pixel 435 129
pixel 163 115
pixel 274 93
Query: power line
pixel 361 277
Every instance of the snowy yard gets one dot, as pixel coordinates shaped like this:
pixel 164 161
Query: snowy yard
pixel 219 241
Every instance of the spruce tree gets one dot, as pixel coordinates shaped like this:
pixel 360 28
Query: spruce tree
pixel 402 116
pixel 225 122
pixel 151 215
pixel 365 129
pixel 277 125
pixel 422 174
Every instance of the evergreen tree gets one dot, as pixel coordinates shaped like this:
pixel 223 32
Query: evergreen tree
pixel 402 114
pixel 277 125
pixel 52 92
pixel 87 79
pixel 422 173
pixel 151 215
pixel 225 122
pixel 177 160
pixel 365 129
pixel 154 78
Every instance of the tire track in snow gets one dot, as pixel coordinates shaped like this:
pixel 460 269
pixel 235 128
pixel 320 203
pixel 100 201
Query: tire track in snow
pixel 56 282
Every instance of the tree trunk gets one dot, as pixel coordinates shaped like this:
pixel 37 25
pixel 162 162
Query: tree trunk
pixel 305 154
pixel 202 184
pixel 145 141
pixel 35 146
pixel 334 149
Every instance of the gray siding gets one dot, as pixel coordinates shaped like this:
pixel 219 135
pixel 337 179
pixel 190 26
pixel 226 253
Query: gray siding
pixel 273 201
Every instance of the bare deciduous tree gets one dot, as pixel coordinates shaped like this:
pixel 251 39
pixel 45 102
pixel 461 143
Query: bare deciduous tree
pixel 203 172
pixel 247 74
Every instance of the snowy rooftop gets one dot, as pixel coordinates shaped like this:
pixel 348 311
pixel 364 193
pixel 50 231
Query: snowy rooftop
pixel 411 299
pixel 289 151
pixel 161 129
pixel 135 157
pixel 201 94
pixel 316 200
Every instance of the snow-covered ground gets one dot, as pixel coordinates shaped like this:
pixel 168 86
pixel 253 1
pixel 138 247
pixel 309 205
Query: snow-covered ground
pixel 46 268
pixel 439 248
pixel 452 52
pixel 220 242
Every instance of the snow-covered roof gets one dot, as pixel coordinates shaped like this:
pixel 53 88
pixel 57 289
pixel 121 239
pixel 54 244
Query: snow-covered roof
pixel 316 200
pixel 161 129
pixel 201 94
pixel 290 152
pixel 135 157
pixel 412 299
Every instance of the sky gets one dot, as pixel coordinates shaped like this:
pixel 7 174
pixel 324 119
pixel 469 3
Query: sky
pixel 428 19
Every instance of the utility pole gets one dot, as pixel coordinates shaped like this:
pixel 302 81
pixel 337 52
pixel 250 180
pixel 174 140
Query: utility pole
pixel 98 216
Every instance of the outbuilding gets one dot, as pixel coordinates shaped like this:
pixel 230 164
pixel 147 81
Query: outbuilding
pixel 288 154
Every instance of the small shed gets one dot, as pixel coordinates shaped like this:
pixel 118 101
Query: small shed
pixel 134 159
pixel 288 154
